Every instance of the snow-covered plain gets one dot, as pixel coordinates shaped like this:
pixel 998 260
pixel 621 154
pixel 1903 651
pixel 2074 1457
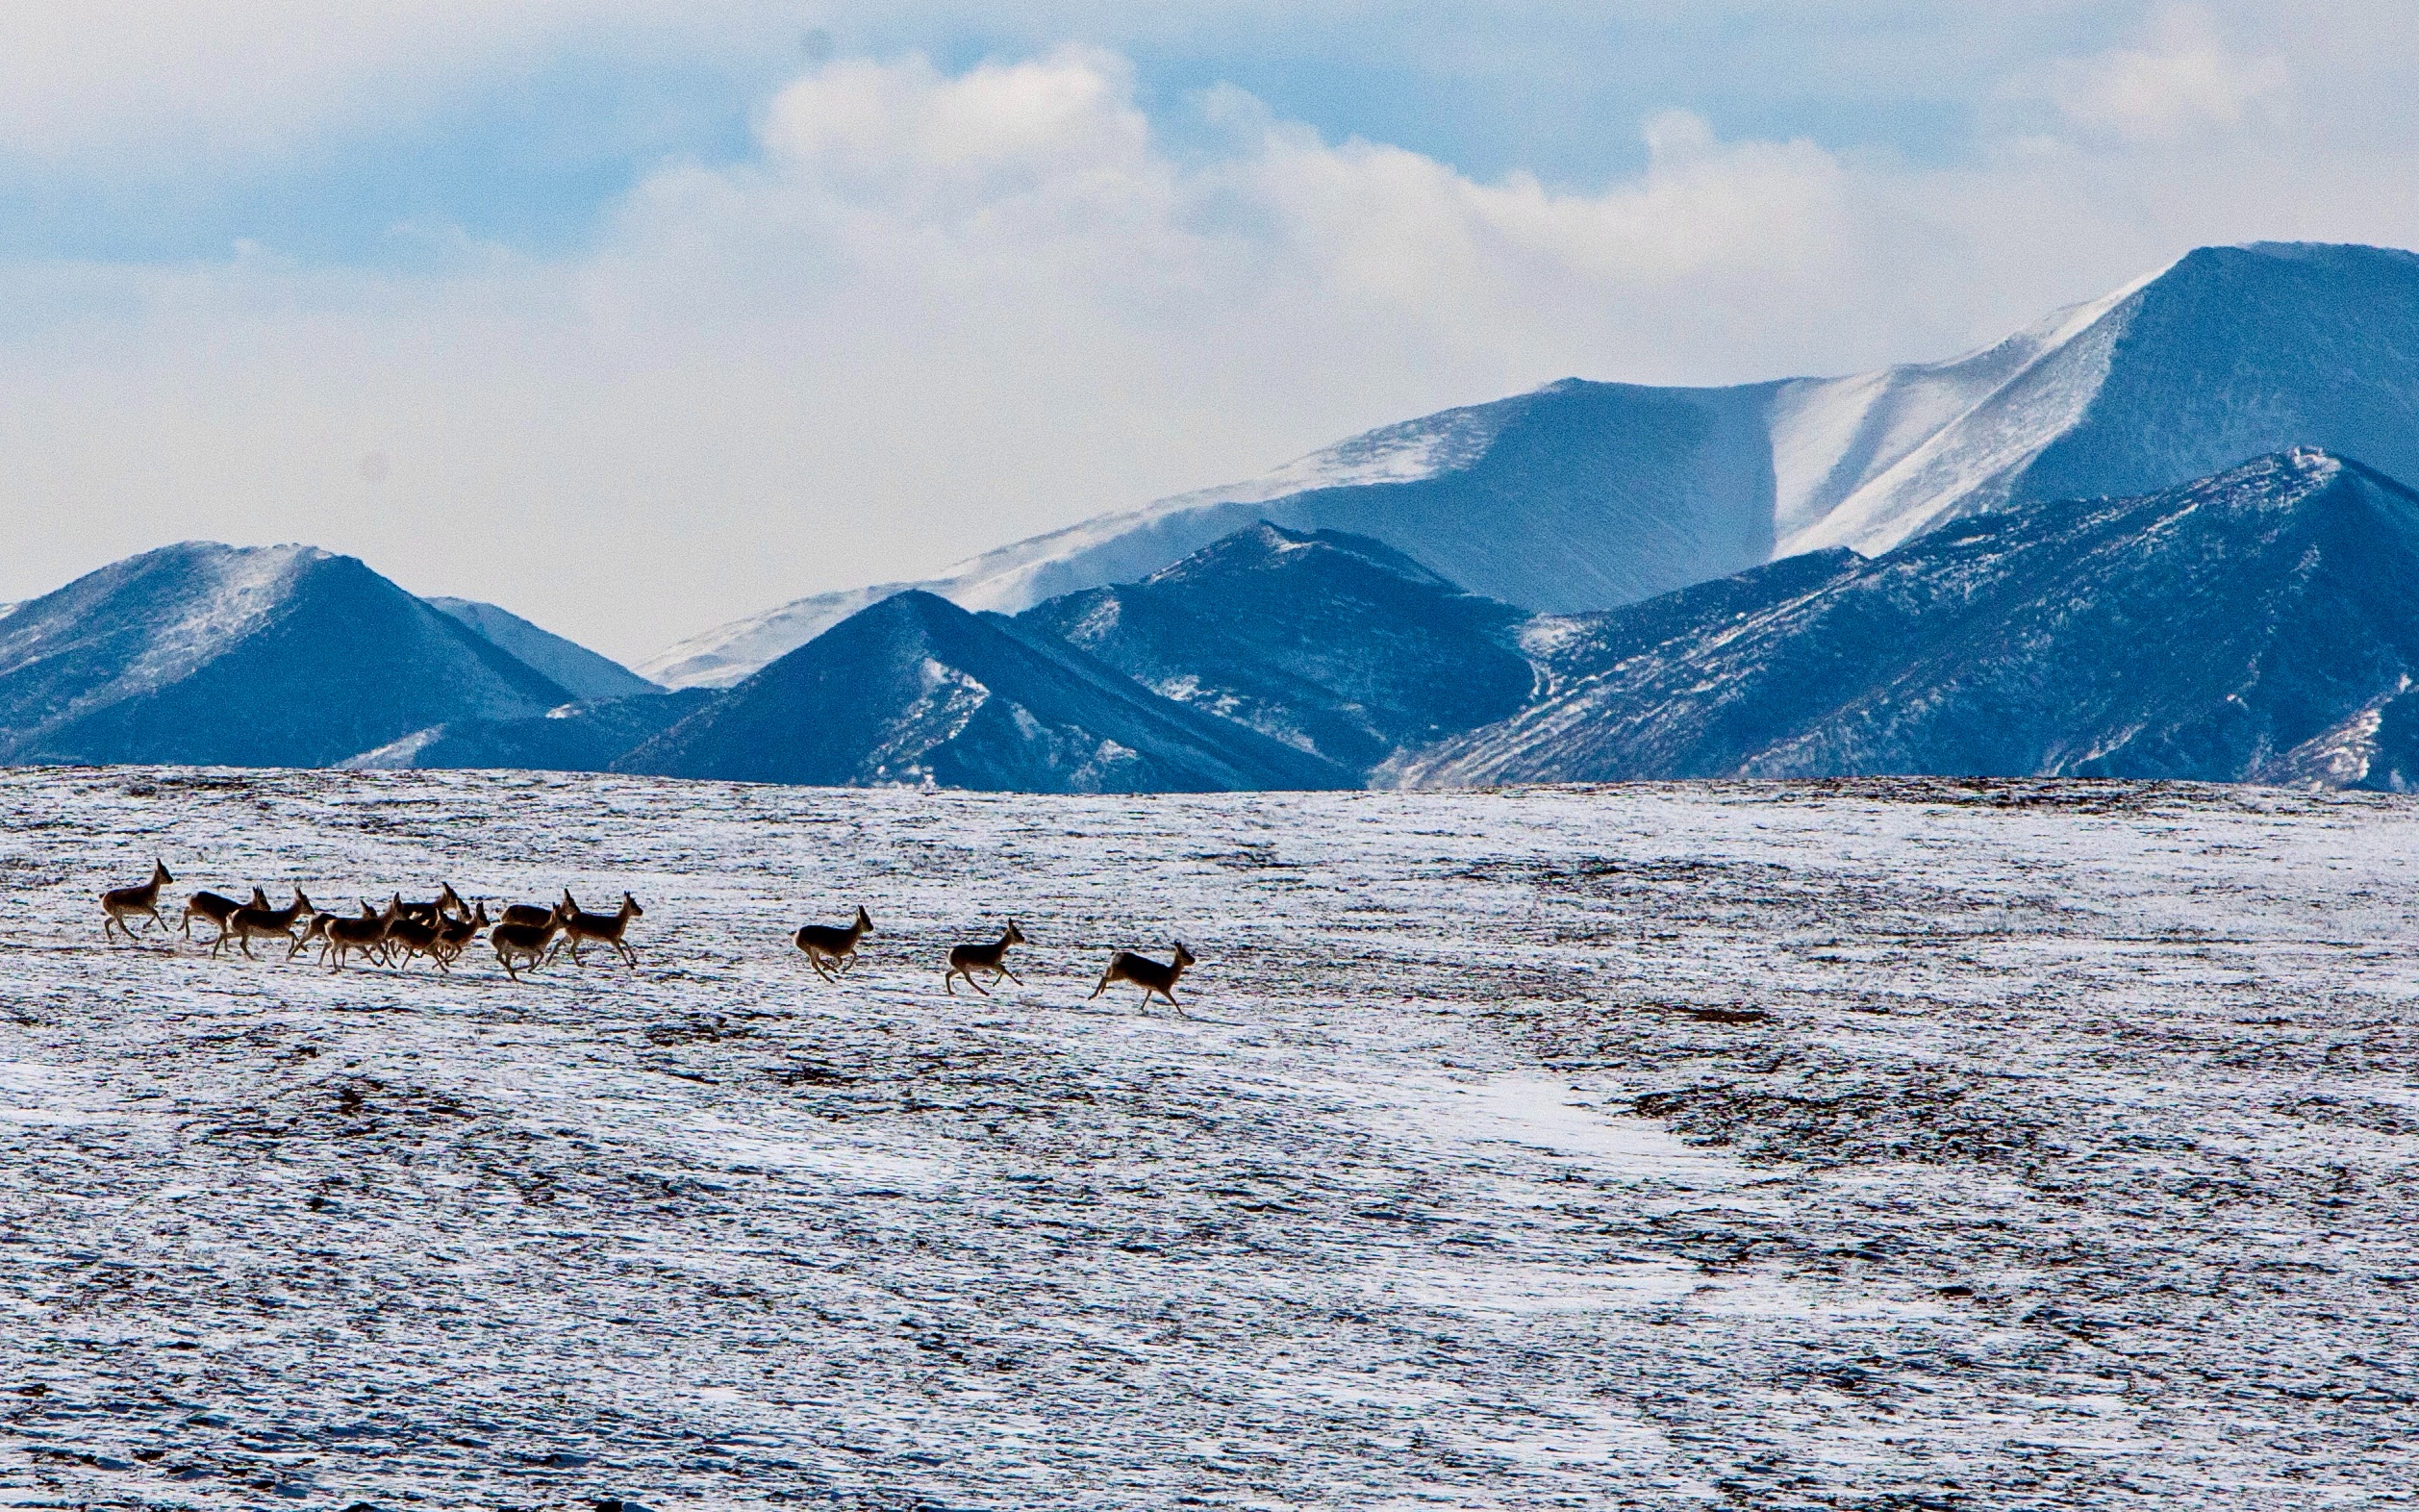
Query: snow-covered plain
pixel 1891 1144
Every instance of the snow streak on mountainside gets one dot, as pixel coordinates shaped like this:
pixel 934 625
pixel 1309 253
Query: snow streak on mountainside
pixel 262 656
pixel 2262 625
pixel 726 655
pixel 1585 496
pixel 1573 496
pixel 2229 353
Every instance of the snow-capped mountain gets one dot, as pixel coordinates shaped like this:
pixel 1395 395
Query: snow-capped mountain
pixel 586 674
pixel 1588 495
pixel 2227 353
pixel 2261 624
pixel 1577 495
pixel 916 688
pixel 1331 643
pixel 271 656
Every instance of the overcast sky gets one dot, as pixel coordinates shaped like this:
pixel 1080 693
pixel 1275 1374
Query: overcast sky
pixel 634 323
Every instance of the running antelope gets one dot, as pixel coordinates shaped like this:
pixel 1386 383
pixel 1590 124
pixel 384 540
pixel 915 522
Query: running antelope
pixel 447 904
pixel 602 928
pixel 317 929
pixel 454 935
pixel 822 943
pixel 967 960
pixel 120 903
pixel 344 936
pixel 216 907
pixel 408 937
pixel 529 913
pixel 526 941
pixel 1148 974
pixel 249 923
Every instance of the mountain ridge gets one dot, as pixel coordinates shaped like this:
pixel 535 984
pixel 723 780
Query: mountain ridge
pixel 2225 354
pixel 2261 624
pixel 1328 642
pixel 211 654
pixel 585 674
pixel 915 689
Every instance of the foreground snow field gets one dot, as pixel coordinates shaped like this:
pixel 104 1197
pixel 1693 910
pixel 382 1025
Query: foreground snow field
pixel 1892 1143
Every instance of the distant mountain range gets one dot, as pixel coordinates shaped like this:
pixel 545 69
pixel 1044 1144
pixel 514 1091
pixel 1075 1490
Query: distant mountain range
pixel 917 690
pixel 2261 625
pixel 1590 496
pixel 2003 565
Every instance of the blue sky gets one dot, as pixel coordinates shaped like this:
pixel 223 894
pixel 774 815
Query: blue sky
pixel 755 297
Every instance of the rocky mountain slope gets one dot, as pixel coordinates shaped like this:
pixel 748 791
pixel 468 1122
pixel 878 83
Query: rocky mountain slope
pixel 2262 625
pixel 1329 642
pixel 1584 496
pixel 582 672
pixel 273 656
pixel 916 688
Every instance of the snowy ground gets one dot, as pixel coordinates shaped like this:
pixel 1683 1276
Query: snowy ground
pixel 1857 1145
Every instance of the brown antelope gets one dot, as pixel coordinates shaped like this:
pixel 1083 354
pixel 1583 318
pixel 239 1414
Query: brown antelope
pixel 121 904
pixel 822 943
pixel 602 928
pixel 528 914
pixel 1146 973
pixel 343 937
pixel 446 904
pixel 317 929
pixel 216 907
pixel 967 960
pixel 526 941
pixel 408 937
pixel 249 923
pixel 454 935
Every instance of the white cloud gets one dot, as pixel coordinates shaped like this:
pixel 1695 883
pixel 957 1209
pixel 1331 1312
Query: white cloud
pixel 2184 84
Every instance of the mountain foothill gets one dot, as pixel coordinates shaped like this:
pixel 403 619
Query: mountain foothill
pixel 2166 534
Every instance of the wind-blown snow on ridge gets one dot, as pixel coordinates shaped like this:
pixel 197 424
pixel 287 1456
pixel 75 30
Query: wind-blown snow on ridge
pixel 1024 574
pixel 1588 495
pixel 1845 449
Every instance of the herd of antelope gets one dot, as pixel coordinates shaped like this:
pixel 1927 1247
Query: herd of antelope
pixel 529 935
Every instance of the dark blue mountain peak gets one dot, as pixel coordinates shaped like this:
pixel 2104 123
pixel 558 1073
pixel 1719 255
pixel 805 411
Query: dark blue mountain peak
pixel 242 656
pixel 1329 641
pixel 914 689
pixel 2261 624
pixel 1265 547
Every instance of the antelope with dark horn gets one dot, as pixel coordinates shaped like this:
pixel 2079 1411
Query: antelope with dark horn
pixel 824 943
pixel 121 904
pixel 967 960
pixel 1148 974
